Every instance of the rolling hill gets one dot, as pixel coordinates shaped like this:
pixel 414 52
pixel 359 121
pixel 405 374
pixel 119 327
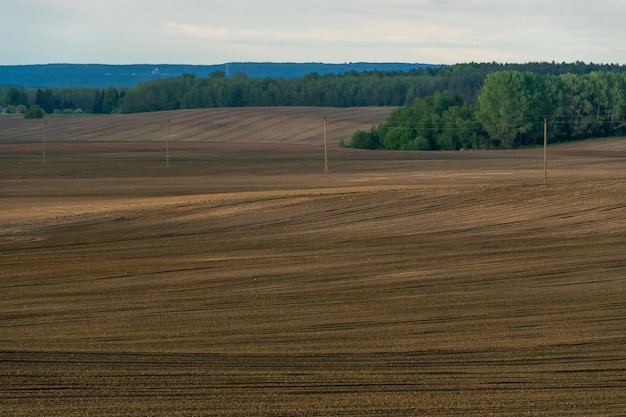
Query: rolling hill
pixel 246 124
pixel 101 76
pixel 245 279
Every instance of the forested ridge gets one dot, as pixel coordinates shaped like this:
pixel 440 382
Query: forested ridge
pixel 125 76
pixel 470 106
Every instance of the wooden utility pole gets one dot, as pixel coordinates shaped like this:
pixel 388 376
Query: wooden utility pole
pixel 545 149
pixel 167 145
pixel 43 156
pixel 325 147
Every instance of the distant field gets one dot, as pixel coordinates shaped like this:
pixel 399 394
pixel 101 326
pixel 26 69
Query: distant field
pixel 245 280
pixel 245 124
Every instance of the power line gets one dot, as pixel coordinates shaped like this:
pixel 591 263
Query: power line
pixel 574 119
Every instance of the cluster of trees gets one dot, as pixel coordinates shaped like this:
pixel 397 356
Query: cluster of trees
pixel 508 111
pixel 61 100
pixel 330 90
pixel 440 121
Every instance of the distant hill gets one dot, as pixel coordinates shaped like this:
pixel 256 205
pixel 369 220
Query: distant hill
pixel 292 124
pixel 101 76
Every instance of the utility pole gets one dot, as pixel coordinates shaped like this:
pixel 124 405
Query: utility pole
pixel 545 149
pixel 167 145
pixel 325 147
pixel 43 157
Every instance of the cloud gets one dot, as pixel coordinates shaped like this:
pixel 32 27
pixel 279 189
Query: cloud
pixel 195 31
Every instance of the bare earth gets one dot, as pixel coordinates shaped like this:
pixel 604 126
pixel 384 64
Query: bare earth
pixel 243 280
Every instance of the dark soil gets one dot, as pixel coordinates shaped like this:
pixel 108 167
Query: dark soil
pixel 245 280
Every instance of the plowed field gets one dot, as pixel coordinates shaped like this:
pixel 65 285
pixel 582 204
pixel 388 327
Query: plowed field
pixel 244 280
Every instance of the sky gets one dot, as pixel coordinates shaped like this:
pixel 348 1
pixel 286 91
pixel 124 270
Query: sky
pixel 331 31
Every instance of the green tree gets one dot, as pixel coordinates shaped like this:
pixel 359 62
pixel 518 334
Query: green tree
pixel 217 75
pixel 365 140
pixel 440 121
pixel 98 98
pixel 607 97
pixel 510 106
pixel 398 130
pixel 109 100
pixel 74 98
pixel 13 97
pixel 34 112
pixel 45 100
pixel 579 107
pixel 459 129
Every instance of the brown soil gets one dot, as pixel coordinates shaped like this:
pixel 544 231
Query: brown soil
pixel 244 124
pixel 245 280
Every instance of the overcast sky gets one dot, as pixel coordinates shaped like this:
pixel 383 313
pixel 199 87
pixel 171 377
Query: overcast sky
pixel 331 31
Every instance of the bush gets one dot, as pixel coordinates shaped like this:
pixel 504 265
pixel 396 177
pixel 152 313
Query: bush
pixel 420 143
pixel 34 112
pixel 365 140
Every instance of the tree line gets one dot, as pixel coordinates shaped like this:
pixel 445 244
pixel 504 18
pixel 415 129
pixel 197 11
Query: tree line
pixel 104 75
pixel 509 111
pixel 473 105
pixel 73 100
pixel 367 88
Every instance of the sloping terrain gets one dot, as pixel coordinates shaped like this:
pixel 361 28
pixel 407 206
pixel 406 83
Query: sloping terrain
pixel 245 280
pixel 244 124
